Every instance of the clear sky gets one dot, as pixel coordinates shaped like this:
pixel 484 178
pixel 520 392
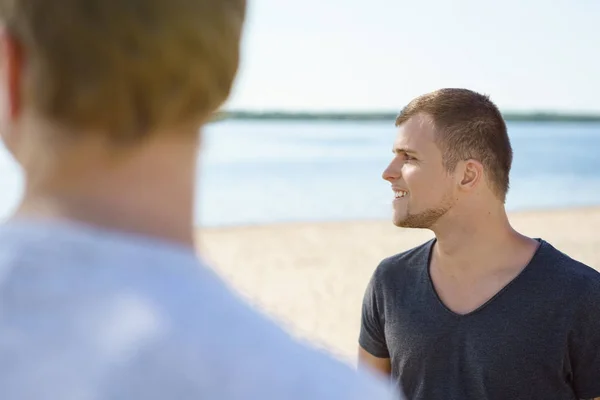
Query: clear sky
pixel 345 55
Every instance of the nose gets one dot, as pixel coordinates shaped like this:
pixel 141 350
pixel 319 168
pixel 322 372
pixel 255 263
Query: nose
pixel 392 172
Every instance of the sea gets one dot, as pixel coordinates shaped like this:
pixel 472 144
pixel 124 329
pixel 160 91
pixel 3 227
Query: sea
pixel 264 172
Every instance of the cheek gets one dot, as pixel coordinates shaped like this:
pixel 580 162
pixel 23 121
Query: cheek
pixel 425 184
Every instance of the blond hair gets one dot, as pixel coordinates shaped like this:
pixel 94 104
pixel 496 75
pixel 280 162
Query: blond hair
pixel 126 67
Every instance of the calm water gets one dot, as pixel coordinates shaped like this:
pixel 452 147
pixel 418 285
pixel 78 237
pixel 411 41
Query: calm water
pixel 262 172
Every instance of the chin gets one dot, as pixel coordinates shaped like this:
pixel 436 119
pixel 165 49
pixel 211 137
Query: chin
pixel 412 221
pixel 404 224
pixel 401 222
pixel 423 220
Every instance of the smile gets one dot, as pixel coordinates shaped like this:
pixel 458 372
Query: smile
pixel 400 193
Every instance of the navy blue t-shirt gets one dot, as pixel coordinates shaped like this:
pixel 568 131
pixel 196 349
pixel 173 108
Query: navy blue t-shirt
pixel 538 338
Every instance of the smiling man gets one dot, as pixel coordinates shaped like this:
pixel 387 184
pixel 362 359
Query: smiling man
pixel 481 311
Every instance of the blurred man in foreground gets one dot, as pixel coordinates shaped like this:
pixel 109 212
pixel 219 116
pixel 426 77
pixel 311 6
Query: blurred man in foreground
pixel 481 311
pixel 102 295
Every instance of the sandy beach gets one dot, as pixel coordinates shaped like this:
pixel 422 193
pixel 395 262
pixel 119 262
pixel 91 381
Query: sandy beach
pixel 311 276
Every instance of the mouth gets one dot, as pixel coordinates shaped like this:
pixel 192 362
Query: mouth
pixel 398 194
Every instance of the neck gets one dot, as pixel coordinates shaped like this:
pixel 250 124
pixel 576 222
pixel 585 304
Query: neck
pixel 476 240
pixel 149 192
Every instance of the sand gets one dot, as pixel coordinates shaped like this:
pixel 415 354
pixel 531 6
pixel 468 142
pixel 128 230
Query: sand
pixel 311 277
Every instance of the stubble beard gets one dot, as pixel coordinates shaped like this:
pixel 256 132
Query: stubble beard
pixel 424 219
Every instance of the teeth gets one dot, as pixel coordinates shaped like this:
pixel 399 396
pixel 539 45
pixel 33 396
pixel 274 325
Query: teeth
pixel 400 194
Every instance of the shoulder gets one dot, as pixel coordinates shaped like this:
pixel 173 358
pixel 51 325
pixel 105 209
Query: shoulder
pixel 403 264
pixel 153 321
pixel 569 280
pixel 571 273
pixel 239 352
pixel 217 336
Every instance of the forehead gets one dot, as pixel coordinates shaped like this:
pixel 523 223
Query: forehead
pixel 416 134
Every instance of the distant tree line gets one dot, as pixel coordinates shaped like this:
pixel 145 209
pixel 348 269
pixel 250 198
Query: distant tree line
pixel 389 116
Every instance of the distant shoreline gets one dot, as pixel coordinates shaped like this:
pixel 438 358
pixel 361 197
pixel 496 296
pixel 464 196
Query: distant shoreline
pixel 389 116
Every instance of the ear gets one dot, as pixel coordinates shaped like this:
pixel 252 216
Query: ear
pixel 11 73
pixel 471 173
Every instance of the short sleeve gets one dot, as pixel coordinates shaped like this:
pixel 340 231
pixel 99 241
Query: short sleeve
pixel 372 336
pixel 584 345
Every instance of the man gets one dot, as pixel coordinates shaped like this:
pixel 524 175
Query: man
pixel 481 311
pixel 102 295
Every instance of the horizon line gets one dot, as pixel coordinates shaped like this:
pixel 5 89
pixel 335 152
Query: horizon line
pixel 539 115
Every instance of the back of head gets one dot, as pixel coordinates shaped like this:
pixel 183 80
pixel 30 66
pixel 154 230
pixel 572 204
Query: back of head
pixel 468 126
pixel 125 68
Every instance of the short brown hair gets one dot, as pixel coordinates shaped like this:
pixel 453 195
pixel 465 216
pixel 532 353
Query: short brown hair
pixel 127 67
pixel 468 126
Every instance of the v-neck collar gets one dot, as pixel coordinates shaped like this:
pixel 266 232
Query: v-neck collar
pixel 532 261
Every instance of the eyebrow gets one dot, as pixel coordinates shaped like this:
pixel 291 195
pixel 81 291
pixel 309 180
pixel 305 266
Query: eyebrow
pixel 397 150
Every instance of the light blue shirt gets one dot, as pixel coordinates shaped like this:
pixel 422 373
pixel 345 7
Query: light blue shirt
pixel 87 314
